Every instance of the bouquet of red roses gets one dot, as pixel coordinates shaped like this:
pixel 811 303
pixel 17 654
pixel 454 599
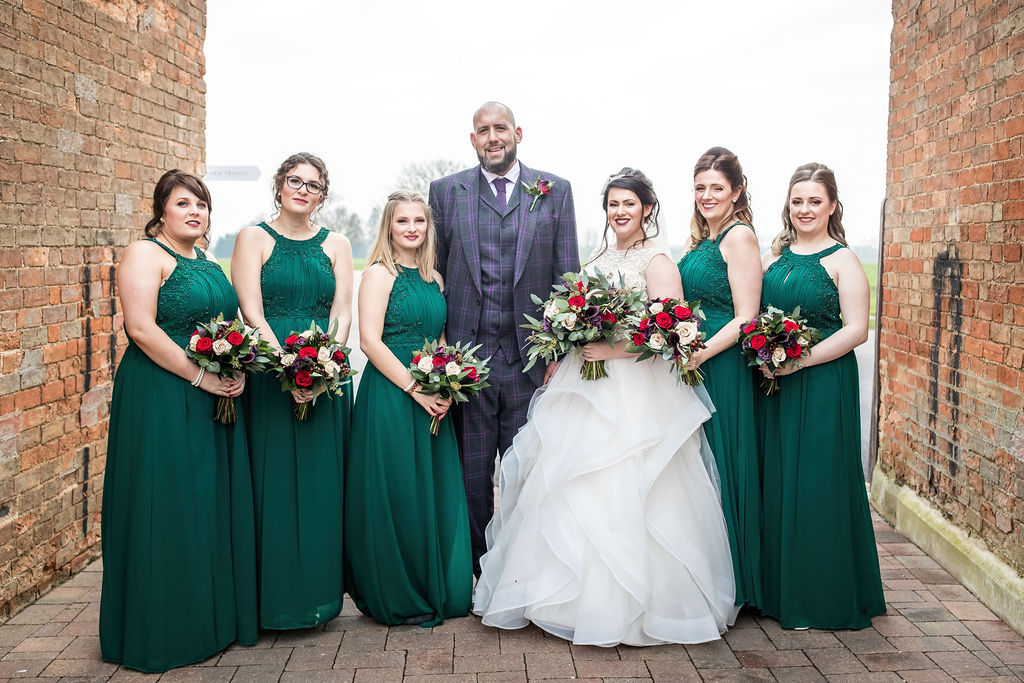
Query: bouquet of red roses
pixel 452 371
pixel 773 339
pixel 225 348
pixel 669 328
pixel 580 309
pixel 312 359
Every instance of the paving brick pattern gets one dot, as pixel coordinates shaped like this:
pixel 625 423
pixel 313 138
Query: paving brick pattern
pixel 935 630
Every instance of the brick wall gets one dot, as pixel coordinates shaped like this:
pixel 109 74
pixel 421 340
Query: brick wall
pixel 97 99
pixel 952 320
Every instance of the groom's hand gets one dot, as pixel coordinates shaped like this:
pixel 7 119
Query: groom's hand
pixel 550 371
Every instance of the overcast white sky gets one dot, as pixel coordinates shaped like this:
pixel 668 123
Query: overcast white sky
pixel 595 85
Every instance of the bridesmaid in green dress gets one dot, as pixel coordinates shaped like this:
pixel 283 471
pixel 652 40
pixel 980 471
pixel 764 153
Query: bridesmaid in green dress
pixel 722 269
pixel 288 273
pixel 407 549
pixel 819 557
pixel 179 580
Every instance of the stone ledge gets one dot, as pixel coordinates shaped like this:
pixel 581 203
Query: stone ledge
pixel 995 583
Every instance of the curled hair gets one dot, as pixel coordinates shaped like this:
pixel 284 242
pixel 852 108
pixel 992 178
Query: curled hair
pixel 293 161
pixel 383 249
pixel 168 182
pixel 639 184
pixel 725 162
pixel 823 175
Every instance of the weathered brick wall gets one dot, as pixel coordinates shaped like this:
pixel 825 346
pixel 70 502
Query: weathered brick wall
pixel 952 320
pixel 97 99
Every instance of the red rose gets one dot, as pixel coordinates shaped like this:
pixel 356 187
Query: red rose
pixel 234 338
pixel 749 327
pixel 577 301
pixel 663 320
pixel 196 333
pixel 789 325
pixel 303 378
pixel 579 285
pixel 307 352
pixel 545 188
pixel 291 339
pixel 608 317
pixel 472 373
pixel 638 339
pixel 439 361
pixel 339 357
pixel 415 359
pixel 758 342
pixel 204 344
pixel 794 351
pixel 682 312
pixel 644 324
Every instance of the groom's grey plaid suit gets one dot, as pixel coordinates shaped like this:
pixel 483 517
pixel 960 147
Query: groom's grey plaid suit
pixel 487 255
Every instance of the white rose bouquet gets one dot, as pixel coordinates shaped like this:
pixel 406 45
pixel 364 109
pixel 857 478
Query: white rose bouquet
pixel 580 309
pixel 671 329
pixel 225 348
pixel 453 371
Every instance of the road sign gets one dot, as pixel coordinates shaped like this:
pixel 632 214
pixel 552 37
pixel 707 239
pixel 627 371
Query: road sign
pixel 232 173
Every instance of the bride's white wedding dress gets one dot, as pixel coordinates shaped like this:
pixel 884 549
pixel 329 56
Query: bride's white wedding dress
pixel 609 527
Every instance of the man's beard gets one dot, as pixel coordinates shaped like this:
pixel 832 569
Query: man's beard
pixel 498 167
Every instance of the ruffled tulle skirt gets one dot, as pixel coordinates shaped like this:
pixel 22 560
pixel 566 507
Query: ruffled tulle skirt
pixel 609 526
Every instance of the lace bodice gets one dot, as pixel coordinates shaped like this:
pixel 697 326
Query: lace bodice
pixel 297 280
pixel 800 280
pixel 631 264
pixel 416 311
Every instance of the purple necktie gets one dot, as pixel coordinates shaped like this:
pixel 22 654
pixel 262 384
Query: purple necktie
pixel 499 185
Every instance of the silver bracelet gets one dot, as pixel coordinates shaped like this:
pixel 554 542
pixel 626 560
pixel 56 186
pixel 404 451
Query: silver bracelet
pixel 199 377
pixel 410 385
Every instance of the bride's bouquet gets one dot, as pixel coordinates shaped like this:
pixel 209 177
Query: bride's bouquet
pixel 453 371
pixel 669 328
pixel 225 348
pixel 312 359
pixel 581 309
pixel 773 339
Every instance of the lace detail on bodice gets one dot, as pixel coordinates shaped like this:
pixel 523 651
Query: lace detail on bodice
pixel 631 264
pixel 705 277
pixel 800 280
pixel 416 311
pixel 297 281
pixel 195 291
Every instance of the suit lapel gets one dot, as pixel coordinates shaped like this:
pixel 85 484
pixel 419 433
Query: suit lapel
pixel 526 222
pixel 469 198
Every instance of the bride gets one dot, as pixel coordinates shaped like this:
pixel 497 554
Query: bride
pixel 609 528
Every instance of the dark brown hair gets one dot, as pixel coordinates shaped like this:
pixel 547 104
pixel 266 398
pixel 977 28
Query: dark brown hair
pixel 293 161
pixel 161 193
pixel 725 162
pixel 823 175
pixel 639 184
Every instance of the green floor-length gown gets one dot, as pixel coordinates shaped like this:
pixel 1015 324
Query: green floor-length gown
pixel 297 466
pixel 179 573
pixel 731 431
pixel 819 559
pixel 407 549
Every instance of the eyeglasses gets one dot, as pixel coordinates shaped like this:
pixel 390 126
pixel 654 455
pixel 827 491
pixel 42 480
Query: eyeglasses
pixel 295 182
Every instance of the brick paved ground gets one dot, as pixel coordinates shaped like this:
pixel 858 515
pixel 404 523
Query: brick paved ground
pixel 935 631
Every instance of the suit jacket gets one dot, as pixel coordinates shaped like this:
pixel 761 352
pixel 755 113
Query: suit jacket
pixel 546 248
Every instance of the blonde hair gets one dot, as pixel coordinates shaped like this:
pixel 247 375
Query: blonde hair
pixel 383 249
pixel 823 175
pixel 725 162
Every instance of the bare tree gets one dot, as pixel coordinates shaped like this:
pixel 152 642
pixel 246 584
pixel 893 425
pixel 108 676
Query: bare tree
pixel 417 176
pixel 337 217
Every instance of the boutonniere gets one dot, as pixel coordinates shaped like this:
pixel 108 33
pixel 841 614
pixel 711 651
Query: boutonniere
pixel 540 188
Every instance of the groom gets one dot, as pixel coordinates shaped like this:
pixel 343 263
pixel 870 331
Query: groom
pixel 496 246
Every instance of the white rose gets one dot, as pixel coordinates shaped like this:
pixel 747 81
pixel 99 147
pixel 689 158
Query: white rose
pixel 330 367
pixel 656 307
pixel 323 354
pixel 221 346
pixel 287 359
pixel 687 331
pixel 452 369
pixel 802 341
pixel 551 311
pixel 570 321
pixel 426 363
pixel 192 342
pixel 778 355
pixel 656 341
